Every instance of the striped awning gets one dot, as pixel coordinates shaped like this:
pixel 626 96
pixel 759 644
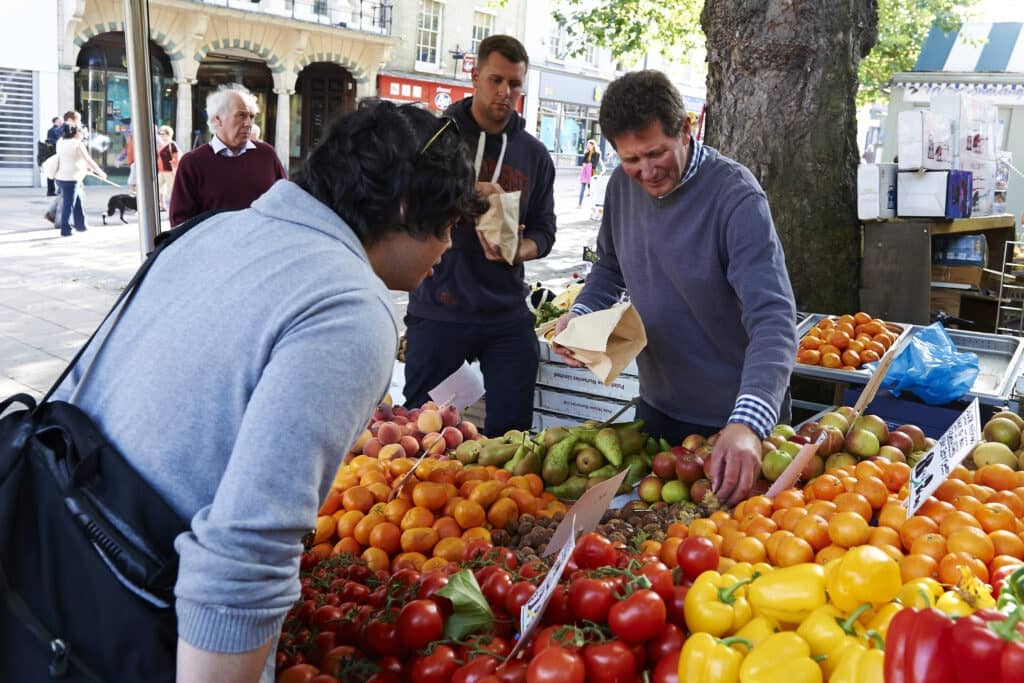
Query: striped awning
pixel 975 48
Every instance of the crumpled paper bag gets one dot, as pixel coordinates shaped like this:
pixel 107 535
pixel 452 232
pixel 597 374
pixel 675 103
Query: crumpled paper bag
pixel 499 225
pixel 604 341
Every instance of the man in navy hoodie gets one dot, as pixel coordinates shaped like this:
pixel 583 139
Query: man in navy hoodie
pixel 474 305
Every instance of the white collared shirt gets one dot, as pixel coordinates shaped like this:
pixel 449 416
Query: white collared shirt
pixel 220 148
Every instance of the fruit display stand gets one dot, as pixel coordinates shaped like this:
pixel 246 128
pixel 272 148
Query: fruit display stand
pixel 897 259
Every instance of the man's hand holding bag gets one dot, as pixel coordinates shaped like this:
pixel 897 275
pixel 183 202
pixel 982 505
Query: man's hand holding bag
pixel 499 228
pixel 604 341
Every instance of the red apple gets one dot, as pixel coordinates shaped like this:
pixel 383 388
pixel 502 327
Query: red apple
pixel 689 467
pixel 901 440
pixel 664 465
pixel 693 441
pixel 800 439
pixel 699 489
pixel 759 488
pixel 810 430
pixel 833 442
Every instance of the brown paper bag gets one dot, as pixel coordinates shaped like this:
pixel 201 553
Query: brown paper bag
pixel 605 341
pixel 499 226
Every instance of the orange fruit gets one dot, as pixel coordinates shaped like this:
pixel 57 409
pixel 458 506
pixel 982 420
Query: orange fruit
pixel 892 515
pixel 848 529
pixel 446 527
pixel 917 566
pixel 814 530
pixel 917 526
pixel 1007 543
pixel 749 549
pixel 808 356
pixel 949 572
pixel 357 498
pixel 362 530
pixel 972 541
pixel 995 516
pixel 957 520
pixel 931 544
pixel 826 487
pixel 829 553
pixel 387 537
pixel 450 549
pixel 347 523
pixel 501 512
pixel 854 502
pixel 417 517
pixel 793 550
pixel 376 559
pixel 998 477
pixel 469 514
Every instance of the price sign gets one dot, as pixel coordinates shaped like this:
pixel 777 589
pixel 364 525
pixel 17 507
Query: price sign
pixel 948 452
pixel 586 513
pixel 530 613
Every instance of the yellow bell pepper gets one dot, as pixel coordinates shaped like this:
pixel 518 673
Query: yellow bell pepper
pixel 717 604
pixel 920 593
pixel 953 604
pixel 746 570
pixel 789 594
pixel 859 665
pixel 705 658
pixel 830 635
pixel 863 574
pixel 782 658
pixel 878 619
pixel 756 631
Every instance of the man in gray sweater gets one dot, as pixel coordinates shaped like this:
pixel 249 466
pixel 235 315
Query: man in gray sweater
pixel 253 355
pixel 688 234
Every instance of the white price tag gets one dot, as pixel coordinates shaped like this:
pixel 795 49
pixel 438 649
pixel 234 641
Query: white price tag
pixel 530 613
pixel 586 513
pixel 948 452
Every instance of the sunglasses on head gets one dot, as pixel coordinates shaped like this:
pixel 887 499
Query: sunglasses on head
pixel 446 123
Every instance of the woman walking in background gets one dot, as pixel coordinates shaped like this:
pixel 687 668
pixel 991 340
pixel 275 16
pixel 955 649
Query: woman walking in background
pixel 73 164
pixel 167 154
pixel 591 158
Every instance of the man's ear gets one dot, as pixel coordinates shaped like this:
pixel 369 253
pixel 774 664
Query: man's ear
pixel 687 126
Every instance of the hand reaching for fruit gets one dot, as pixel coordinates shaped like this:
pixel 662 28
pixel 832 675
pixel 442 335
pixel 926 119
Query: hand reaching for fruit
pixel 735 463
pixel 565 353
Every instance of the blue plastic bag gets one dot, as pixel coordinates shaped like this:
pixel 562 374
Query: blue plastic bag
pixel 930 367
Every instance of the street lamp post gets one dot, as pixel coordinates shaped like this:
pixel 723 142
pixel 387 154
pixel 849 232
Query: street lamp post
pixel 457 55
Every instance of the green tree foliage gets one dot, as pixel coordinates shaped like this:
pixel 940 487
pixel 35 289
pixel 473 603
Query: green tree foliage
pixel 632 28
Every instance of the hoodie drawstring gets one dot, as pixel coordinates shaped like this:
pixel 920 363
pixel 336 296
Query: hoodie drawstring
pixel 480 155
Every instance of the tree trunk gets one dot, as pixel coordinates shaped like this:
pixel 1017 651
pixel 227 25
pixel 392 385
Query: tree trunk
pixel 782 81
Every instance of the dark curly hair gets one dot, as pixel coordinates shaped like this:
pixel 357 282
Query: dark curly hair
pixel 372 170
pixel 635 100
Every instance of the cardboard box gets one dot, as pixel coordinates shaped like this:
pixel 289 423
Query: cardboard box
pixel 583 381
pixel 549 356
pixel 543 419
pixel 580 406
pixel 933 194
pixel 876 191
pixel 965 275
pixel 924 140
pixel 947 300
pixel 983 195
pixel 959 250
pixel 974 124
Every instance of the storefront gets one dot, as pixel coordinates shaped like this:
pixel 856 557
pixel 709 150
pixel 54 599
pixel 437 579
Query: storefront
pixel 322 92
pixel 101 95
pixel 233 66
pixel 437 95
pixel 568 116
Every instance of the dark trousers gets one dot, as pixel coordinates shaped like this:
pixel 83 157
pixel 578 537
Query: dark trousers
pixel 51 187
pixel 507 352
pixel 71 203
pixel 660 425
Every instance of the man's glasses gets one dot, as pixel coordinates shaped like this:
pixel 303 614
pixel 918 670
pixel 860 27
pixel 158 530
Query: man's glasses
pixel 446 123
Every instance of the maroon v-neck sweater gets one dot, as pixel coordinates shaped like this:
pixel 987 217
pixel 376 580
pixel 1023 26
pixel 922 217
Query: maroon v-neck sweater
pixel 207 181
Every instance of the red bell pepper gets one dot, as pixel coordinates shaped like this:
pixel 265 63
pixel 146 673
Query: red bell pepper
pixel 918 648
pixel 988 647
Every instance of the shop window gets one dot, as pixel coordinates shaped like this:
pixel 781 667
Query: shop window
pixel 483 26
pixel 428 34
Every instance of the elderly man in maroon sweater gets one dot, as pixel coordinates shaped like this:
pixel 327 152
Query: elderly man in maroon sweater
pixel 231 171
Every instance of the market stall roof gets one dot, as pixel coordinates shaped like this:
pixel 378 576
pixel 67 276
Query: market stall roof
pixel 975 48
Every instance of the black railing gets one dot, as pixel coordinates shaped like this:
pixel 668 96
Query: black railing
pixel 358 15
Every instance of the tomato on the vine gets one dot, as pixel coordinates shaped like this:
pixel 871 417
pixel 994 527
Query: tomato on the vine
pixel 660 577
pixel 590 599
pixel 556 665
pixel 558 610
pixel 474 670
pixel 512 671
pixel 638 618
pixel 299 673
pixel 666 670
pixel 518 595
pixel 669 641
pixel 609 662
pixel 676 605
pixel 437 667
pixel 564 636
pixel 419 624
pixel 695 555
pixel 496 588
pixel 593 551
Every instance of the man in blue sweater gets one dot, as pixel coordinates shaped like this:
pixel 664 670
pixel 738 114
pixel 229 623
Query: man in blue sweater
pixel 688 234
pixel 474 306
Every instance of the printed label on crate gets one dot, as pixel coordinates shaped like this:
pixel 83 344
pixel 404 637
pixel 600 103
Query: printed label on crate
pixel 949 451
pixel 586 513
pixel 543 420
pixel 583 380
pixel 548 355
pixel 579 405
pixel 530 613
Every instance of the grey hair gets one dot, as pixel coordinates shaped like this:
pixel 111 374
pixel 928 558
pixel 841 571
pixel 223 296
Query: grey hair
pixel 217 102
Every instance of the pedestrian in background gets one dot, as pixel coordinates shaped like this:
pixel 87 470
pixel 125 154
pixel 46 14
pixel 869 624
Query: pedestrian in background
pixel 52 136
pixel 73 164
pixel 591 158
pixel 167 154
pixel 233 169
pixel 71 116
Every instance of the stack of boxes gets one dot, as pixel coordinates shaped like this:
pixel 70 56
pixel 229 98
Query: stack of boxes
pixel 566 396
pixel 928 185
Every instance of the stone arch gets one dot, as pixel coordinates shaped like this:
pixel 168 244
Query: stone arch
pixel 358 73
pixel 172 49
pixel 273 62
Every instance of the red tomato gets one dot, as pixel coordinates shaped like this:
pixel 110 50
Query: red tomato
pixel 558 610
pixel 300 673
pixel 327 618
pixel 593 551
pixel 532 570
pixel 512 671
pixel 437 667
pixel 383 677
pixel 496 588
pixel 638 618
pixel 660 577
pixel 590 599
pixel 487 643
pixel 609 662
pixel 666 670
pixel 419 624
pixel 474 670
pixel 323 678
pixel 520 592
pixel 546 638
pixel 675 605
pixel 696 554
pixel 556 665
pixel 475 549
pixel 379 638
pixel 333 660
pixel 669 641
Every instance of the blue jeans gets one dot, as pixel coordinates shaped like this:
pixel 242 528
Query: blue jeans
pixel 71 200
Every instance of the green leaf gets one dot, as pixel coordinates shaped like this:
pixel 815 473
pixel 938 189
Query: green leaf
pixel 470 612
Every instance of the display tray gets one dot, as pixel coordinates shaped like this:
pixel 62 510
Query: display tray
pixel 835 374
pixel 999 361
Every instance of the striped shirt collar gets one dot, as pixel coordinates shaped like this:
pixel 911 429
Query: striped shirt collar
pixel 692 165
pixel 220 148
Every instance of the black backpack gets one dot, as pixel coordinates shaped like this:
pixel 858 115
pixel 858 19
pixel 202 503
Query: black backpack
pixel 87 562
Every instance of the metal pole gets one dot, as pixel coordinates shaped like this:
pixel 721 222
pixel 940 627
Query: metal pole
pixel 136 42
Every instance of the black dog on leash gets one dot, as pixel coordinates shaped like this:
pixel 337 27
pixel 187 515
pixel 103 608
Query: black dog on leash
pixel 121 203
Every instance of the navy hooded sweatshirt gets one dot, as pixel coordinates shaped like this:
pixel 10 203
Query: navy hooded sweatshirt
pixel 467 287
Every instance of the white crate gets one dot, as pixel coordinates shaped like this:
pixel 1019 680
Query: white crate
pixel 583 381
pixel 549 356
pixel 580 406
pixel 542 419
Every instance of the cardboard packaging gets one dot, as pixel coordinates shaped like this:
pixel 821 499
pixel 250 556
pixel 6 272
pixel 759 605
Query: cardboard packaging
pixel 933 194
pixel 983 194
pixel 876 191
pixel 974 123
pixel 924 141
pixel 960 250
pixel 967 277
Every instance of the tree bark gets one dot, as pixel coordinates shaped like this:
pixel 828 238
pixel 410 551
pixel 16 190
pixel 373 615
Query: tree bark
pixel 782 82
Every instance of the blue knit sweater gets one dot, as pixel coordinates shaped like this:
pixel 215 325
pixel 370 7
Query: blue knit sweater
pixel 249 361
pixel 705 270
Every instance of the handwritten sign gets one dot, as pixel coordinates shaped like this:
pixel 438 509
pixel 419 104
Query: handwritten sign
pixel 948 452
pixel 462 388
pixel 530 613
pixel 586 513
